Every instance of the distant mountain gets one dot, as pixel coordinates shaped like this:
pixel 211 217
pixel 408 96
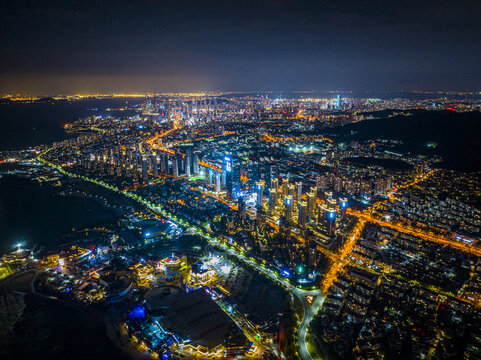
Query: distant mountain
pixel 456 136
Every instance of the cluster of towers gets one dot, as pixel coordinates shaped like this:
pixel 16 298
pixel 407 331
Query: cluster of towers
pixel 151 163
pixel 184 110
pixel 310 206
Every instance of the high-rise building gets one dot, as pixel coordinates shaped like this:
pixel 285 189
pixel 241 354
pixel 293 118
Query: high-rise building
pixel 210 177
pixel 327 218
pixel 289 206
pixel 217 181
pixel 272 200
pixel 154 165
pixel 260 193
pixel 175 166
pixel 188 162
pixel 196 164
pixel 299 190
pixel 328 195
pixel 331 204
pixel 302 216
pixel 311 203
pixel 165 162
pixel 343 204
pixel 242 208
pixel 274 183
pixel 145 171
pixel 285 187
pixel 291 191
pixel 331 222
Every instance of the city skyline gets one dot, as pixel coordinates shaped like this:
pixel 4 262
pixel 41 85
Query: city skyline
pixel 240 179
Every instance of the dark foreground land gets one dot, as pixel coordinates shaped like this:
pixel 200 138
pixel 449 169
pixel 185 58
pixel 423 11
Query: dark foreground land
pixel 38 327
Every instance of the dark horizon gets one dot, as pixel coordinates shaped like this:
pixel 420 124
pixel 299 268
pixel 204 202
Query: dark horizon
pixel 107 47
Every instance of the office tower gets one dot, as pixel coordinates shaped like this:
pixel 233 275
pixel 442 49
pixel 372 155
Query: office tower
pixel 328 194
pixel 272 200
pixel 314 191
pixel 302 216
pixel 299 190
pixel 289 205
pixel 217 181
pixel 260 193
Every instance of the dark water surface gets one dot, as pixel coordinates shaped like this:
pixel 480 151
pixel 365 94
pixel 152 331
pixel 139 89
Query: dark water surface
pixel 29 214
pixel 24 125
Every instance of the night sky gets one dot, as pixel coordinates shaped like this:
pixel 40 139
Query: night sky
pixel 53 47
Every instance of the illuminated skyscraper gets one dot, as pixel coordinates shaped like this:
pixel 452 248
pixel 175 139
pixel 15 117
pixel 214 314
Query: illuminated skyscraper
pixel 299 190
pixel 327 218
pixel 175 166
pixel 302 217
pixel 343 204
pixel 196 164
pixel 260 193
pixel 274 183
pixel 154 165
pixel 331 222
pixel 289 205
pixel 272 200
pixel 331 204
pixel 311 203
pixel 145 171
pixel 188 162
pixel 285 187
pixel 242 208
pixel 291 191
pixel 217 181
pixel 165 163
pixel 210 177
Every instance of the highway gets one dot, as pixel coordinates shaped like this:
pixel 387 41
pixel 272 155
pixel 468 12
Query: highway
pixel 310 310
